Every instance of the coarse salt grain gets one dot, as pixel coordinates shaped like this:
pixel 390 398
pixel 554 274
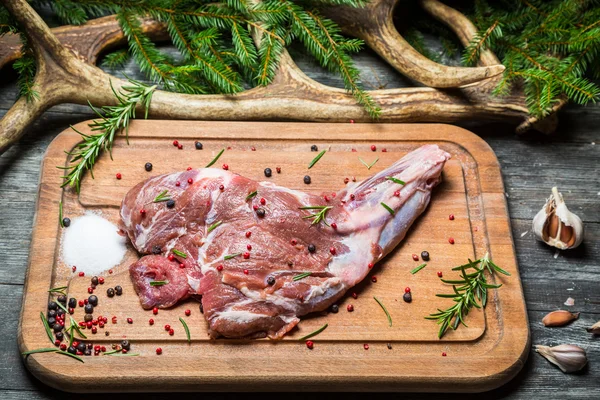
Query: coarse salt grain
pixel 93 244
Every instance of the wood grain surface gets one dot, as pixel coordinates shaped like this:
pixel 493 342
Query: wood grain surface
pixel 485 355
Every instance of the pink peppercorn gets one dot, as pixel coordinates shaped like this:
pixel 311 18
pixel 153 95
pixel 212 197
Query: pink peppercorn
pixel 167 327
pixel 119 176
pixel 171 332
pixel 248 234
pixel 310 344
pixel 175 143
pixel 370 265
pixel 155 310
pixel 439 274
pixel 350 308
pixel 220 268
pixel 82 273
pixel 451 217
pixel 374 279
pixel 415 257
pixel 373 147
pixel 151 321
pixel 225 167
pixel 190 181
pixel 366 346
pixel 188 312
pixel 246 255
pixel 451 240
pixel 332 250
pixel 177 183
pixel 249 247
pixel 129 321
pixel 158 351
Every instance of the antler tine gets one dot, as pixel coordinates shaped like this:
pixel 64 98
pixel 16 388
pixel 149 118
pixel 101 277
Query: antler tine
pixel 460 25
pixel 374 24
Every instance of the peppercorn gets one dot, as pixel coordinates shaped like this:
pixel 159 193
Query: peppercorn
pixel 101 280
pixel 89 308
pixel 51 313
pixel 94 280
pixel 81 347
pixel 198 145
pixel 125 345
pixel 87 352
pixel 62 299
pixel 268 172
pixel 148 167
pixel 312 248
pixel 278 169
pixel 60 336
pixel 156 249
pixel 314 148
pixel 72 302
pixel 188 312
pixel 66 222
pixel 335 308
pixel 440 274
pixel 57 327
pixel 350 308
pixel 118 290
pixel 407 297
pixel 88 317
pixel 110 292
pixel 260 212
pixel 60 313
pixel 307 179
pixel 170 203
pixel 72 350
pixel 158 351
pixel 271 281
pixel 130 320
pixel 310 344
pixel 451 240
pixel 425 255
pixel 51 321
pixel 93 300
pixel 389 346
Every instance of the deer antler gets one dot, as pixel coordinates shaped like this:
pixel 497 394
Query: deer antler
pixel 64 75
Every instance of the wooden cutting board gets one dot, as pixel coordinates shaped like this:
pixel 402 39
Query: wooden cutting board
pixel 405 357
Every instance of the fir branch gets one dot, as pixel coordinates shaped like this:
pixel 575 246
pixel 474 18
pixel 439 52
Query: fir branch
pixel 116 59
pixel 26 70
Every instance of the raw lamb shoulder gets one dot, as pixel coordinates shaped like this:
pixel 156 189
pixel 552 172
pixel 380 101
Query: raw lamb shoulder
pixel 242 265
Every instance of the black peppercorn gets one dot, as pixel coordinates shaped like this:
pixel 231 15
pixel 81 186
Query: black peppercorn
pixel 268 172
pixel 312 248
pixel 52 305
pixel 81 347
pixel 51 321
pixel 107 333
pixel 72 302
pixel 156 249
pixel 57 327
pixel 170 203
pixel 72 350
pixel 335 308
pixel 88 317
pixel 66 222
pixel 271 281
pixel 88 308
pixel 389 346
pixel 314 148
pixel 307 179
pixel 201 308
pixel 88 352
pixel 425 255
pixel 62 299
pixel 51 313
pixel 110 292
pixel 148 167
pixel 60 312
pixel 118 290
pixel 94 280
pixel 407 297
pixel 90 346
pixel 93 300
pixel 125 345
pixel 60 336
pixel 260 212
pixel 198 146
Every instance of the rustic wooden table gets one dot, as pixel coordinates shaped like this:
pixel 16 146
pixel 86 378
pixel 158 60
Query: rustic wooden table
pixel 530 166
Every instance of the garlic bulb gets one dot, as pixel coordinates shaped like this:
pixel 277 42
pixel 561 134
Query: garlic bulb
pixel 568 357
pixel 556 225
pixel 594 329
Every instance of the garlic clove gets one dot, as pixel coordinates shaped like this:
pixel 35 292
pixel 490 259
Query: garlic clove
pixel 559 318
pixel 594 329
pixel 555 225
pixel 568 357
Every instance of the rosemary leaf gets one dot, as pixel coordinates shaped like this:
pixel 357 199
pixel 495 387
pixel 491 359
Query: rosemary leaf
pixel 163 196
pixel 64 353
pixel 390 210
pixel 179 253
pixel 42 350
pixel 187 330
pixel 316 159
pixel 369 166
pixel 158 283
pixel 108 353
pixel 387 314
pixel 124 354
pixel 230 256
pixel 420 267
pixel 47 327
pixel 398 181
pixel 60 214
pixel 210 164
pixel 314 333
pixel 213 227
pixel 318 217
pixel 302 276
pixel 251 195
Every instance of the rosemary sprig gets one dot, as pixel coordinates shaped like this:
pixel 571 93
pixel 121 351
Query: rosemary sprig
pixel 314 333
pixel 108 353
pixel 163 196
pixel 60 289
pixel 213 227
pixel 251 195
pixel 469 291
pixel 301 276
pixel 369 166
pixel 387 314
pixel 124 354
pixel 60 214
pixel 390 210
pixel 316 159
pixel 42 350
pixel 158 283
pixel 47 327
pixel 113 119
pixel 210 164
pixel 179 253
pixel 395 180
pixel 420 267
pixel 64 353
pixel 187 330
pixel 230 256
pixel 318 217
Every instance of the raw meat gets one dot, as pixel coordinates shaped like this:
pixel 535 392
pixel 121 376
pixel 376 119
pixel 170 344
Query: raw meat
pixel 244 268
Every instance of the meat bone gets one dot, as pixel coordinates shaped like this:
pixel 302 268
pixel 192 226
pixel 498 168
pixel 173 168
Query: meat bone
pixel 66 73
